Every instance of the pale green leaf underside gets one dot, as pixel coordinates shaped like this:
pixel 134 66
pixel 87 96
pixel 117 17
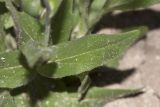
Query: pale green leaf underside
pixel 87 53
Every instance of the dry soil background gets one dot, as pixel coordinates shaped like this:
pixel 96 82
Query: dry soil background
pixel 144 56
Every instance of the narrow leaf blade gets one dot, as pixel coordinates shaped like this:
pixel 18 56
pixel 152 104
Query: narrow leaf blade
pixel 85 54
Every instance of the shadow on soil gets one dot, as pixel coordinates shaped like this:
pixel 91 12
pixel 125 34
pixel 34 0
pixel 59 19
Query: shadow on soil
pixel 124 20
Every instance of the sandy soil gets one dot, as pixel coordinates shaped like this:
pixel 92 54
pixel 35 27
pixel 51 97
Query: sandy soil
pixel 144 56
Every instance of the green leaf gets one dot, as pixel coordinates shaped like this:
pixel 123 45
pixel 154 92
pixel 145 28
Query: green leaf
pixel 135 4
pixel 55 4
pixel 127 4
pixel 45 92
pixel 12 73
pixel 87 53
pixel 96 97
pixel 112 5
pixel 98 9
pixel 32 7
pixel 31 29
pixel 63 22
pixel 27 27
pixel 81 28
pixel 6 100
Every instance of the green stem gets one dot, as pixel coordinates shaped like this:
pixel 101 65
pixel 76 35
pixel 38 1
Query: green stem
pixel 47 21
pixel 85 85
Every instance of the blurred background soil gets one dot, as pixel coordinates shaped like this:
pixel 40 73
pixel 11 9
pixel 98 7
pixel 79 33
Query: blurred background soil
pixel 144 56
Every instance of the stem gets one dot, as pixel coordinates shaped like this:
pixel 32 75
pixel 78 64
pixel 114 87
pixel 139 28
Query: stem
pixel 47 21
pixel 85 85
pixel 17 27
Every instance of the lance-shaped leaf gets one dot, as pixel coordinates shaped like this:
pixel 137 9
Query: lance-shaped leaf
pixel 63 22
pixel 12 73
pixel 30 27
pixel 84 54
pixel 6 100
pixel 45 92
pixel 96 97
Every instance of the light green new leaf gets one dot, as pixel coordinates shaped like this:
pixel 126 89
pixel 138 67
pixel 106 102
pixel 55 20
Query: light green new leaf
pixel 12 73
pixel 6 100
pixel 63 22
pixel 84 54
